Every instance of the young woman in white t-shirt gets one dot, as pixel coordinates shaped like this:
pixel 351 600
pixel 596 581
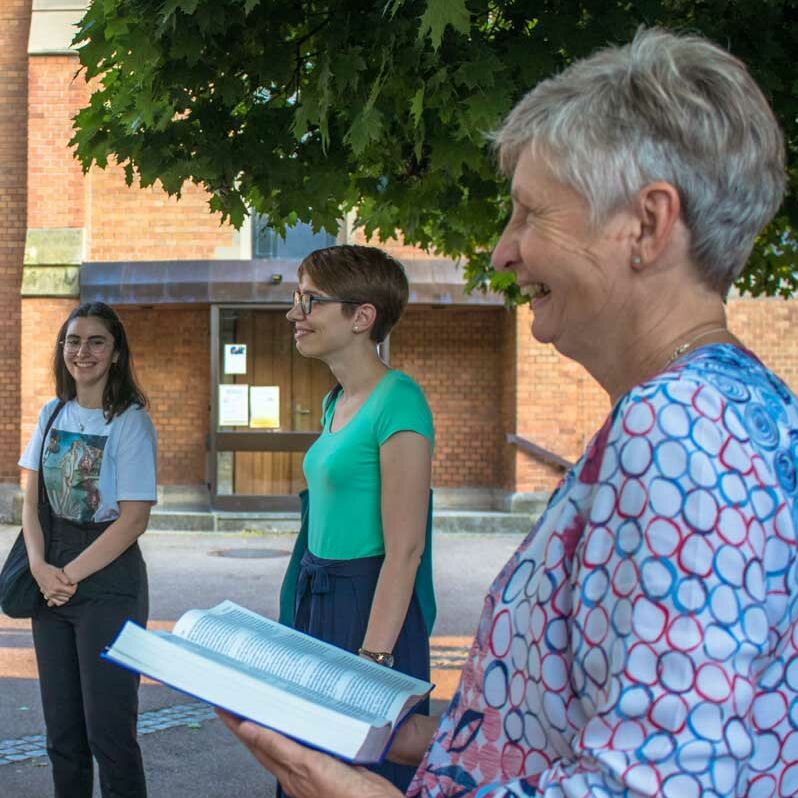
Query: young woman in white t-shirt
pixel 99 478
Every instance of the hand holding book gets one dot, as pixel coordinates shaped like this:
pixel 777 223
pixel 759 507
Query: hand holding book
pixel 305 773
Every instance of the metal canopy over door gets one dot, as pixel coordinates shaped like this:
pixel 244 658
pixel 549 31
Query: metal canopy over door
pixel 261 468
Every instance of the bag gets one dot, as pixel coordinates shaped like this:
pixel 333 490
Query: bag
pixel 19 593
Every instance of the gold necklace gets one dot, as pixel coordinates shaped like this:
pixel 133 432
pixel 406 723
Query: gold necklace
pixel 682 348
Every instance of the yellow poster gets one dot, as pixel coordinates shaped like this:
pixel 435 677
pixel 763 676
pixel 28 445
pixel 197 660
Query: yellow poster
pixel 264 406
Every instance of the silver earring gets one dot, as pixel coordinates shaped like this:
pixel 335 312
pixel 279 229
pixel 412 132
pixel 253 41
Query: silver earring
pixel 636 260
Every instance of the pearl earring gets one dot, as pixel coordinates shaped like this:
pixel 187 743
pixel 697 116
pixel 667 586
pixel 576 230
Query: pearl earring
pixel 636 260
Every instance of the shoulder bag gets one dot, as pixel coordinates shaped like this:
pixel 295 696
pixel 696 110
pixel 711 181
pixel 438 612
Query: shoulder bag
pixel 19 593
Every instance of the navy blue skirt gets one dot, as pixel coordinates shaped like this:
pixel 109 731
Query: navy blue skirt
pixel 333 602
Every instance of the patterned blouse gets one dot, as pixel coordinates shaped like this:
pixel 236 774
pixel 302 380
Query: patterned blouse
pixel 643 639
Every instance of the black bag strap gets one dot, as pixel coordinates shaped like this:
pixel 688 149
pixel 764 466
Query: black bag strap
pixel 43 497
pixel 329 401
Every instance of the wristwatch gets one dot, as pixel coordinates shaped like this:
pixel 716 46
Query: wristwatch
pixel 380 657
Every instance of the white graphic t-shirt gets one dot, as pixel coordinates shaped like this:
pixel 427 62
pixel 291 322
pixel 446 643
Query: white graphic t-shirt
pixel 90 464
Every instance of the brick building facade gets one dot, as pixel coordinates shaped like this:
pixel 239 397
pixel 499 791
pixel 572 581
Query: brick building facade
pixel 91 237
pixel 14 25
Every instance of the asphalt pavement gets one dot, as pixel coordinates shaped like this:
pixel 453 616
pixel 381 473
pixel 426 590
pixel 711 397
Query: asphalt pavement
pixel 187 752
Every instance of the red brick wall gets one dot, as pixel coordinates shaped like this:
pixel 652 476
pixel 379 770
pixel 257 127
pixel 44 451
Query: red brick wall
pixel 172 359
pixel 14 27
pixel 121 223
pixel 558 407
pixel 55 180
pixel 455 355
pixel 769 327
pixel 42 318
pixel 509 410
pixel 464 360
pixel 146 224
pixel 395 246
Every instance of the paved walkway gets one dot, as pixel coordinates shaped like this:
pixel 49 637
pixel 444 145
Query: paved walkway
pixel 446 657
pixel 188 752
pixel 190 715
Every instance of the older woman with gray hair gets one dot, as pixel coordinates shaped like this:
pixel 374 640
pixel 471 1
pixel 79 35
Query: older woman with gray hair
pixel 643 640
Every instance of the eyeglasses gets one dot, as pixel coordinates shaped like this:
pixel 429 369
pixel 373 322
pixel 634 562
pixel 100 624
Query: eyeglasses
pixel 96 344
pixel 306 301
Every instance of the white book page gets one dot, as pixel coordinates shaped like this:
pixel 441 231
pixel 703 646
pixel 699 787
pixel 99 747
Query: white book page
pixel 227 684
pixel 316 668
pixel 279 682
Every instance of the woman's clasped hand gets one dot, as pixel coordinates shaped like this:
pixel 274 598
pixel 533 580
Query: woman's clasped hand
pixel 54 584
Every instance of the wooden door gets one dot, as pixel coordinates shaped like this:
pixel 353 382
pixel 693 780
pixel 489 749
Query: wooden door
pixel 303 382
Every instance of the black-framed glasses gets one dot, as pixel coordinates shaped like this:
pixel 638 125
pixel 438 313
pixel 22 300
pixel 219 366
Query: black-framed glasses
pixel 306 301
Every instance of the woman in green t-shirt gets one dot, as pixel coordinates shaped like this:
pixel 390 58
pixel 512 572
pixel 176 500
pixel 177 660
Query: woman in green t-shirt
pixel 364 580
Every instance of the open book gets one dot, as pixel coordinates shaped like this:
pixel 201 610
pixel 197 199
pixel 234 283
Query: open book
pixel 251 666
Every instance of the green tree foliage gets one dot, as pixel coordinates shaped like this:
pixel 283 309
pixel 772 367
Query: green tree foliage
pixel 306 109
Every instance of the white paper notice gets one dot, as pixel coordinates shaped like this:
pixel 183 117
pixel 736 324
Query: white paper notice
pixel 235 358
pixel 265 403
pixel 233 405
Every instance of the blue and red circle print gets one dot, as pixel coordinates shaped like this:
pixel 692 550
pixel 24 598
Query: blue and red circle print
pixel 643 639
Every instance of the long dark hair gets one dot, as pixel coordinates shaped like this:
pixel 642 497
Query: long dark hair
pixel 121 390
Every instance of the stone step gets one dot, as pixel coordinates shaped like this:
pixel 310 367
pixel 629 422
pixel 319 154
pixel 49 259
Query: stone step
pixel 444 521
pixel 482 522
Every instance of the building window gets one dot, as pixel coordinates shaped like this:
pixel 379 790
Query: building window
pixel 298 242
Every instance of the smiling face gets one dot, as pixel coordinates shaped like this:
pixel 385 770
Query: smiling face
pixel 88 352
pixel 572 273
pixel 325 330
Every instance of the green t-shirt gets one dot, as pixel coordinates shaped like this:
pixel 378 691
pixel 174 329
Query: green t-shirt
pixel 342 468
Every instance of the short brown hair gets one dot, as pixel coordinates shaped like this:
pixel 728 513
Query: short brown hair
pixel 364 275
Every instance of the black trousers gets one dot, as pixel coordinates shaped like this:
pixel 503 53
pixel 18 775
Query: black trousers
pixel 91 705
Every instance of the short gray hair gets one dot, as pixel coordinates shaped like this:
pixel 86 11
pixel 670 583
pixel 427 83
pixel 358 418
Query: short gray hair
pixel 668 107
